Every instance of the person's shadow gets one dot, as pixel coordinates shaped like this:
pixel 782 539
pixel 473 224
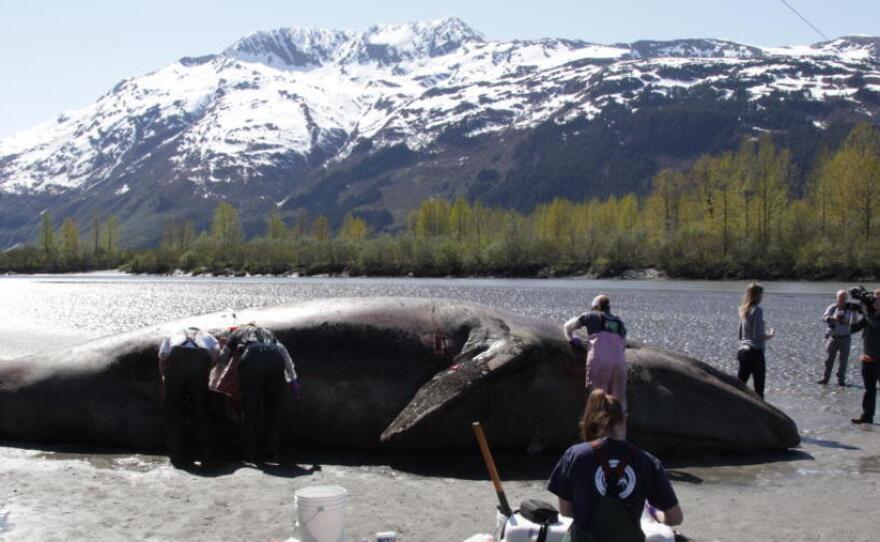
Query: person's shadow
pixel 216 468
pixel 684 477
pixel 227 459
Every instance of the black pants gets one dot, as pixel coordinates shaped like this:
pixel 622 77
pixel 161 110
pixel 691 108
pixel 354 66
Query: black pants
pixel 870 377
pixel 261 371
pixel 186 392
pixel 751 363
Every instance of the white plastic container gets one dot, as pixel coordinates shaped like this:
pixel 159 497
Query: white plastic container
pixel 320 513
pixel 655 531
pixel 519 529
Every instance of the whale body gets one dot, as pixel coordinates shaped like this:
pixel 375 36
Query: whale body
pixel 397 373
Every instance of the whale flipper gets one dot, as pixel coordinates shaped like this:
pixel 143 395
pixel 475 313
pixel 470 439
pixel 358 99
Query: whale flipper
pixel 452 385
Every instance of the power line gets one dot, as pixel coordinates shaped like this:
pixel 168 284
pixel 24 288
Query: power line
pixel 804 19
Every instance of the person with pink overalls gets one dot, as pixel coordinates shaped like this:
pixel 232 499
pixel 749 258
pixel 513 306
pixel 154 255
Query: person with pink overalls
pixel 605 344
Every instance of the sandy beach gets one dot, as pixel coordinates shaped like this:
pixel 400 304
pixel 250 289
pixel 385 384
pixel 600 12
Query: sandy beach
pixel 824 491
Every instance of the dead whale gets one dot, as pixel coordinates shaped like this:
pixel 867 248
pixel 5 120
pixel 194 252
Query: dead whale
pixel 400 373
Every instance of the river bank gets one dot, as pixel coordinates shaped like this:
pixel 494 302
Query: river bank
pixel 824 491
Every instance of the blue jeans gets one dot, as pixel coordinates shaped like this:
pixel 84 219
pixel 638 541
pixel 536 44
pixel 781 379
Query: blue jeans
pixel 870 376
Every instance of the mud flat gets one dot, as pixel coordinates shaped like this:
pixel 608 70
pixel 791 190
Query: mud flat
pixel 827 490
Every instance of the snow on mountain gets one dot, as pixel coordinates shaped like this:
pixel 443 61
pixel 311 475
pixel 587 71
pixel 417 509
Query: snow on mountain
pixel 303 98
pixel 851 49
pixel 695 48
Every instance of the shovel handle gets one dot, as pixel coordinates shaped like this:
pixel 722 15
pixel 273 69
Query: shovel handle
pixel 503 506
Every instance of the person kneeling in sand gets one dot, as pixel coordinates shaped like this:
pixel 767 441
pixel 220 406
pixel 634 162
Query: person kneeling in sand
pixel 606 345
pixel 604 482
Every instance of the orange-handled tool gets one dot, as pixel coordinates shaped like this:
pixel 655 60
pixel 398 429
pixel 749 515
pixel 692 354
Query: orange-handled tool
pixel 503 506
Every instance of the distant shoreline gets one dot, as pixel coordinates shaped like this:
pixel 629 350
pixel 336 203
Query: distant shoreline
pixel 636 274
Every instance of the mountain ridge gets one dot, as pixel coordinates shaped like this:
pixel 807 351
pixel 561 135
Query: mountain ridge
pixel 269 119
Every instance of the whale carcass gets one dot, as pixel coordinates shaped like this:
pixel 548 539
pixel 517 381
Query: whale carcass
pixel 402 373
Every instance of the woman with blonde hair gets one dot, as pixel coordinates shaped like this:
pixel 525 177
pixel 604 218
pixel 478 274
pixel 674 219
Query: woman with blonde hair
pixel 752 336
pixel 604 482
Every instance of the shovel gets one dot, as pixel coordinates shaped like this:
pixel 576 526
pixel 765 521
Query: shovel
pixel 503 506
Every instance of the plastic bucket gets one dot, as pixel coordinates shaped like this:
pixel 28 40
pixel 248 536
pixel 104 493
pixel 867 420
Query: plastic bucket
pixel 320 513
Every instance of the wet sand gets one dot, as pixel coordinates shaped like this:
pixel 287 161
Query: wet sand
pixel 826 490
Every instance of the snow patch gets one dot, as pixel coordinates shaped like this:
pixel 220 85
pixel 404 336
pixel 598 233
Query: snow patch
pixel 290 94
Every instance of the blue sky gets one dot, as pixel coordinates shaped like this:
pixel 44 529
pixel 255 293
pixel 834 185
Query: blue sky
pixel 61 55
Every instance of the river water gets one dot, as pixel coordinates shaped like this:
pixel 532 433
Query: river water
pixel 723 501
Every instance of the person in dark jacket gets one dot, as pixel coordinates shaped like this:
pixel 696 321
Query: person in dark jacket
pixel 185 360
pixel 870 326
pixel 265 368
pixel 604 482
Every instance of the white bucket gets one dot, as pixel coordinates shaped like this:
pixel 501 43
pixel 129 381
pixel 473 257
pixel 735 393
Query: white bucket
pixel 320 513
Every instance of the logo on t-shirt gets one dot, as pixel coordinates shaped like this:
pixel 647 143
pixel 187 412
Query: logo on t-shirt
pixel 626 484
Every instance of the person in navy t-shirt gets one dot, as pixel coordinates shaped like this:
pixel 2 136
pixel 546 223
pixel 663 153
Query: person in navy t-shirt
pixel 579 478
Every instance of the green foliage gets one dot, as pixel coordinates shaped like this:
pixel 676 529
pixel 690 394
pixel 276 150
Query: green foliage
pixel 733 214
pixel 225 226
pixel 47 235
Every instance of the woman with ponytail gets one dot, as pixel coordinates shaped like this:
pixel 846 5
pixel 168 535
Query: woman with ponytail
pixel 752 337
pixel 604 482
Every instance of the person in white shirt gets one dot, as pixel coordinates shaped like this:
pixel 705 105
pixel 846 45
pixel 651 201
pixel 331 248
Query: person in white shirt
pixel 838 337
pixel 185 361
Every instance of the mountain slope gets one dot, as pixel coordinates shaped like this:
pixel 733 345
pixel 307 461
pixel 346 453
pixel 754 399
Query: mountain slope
pixel 373 122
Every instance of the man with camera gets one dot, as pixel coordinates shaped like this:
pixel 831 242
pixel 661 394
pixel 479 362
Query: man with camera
pixel 870 306
pixel 838 317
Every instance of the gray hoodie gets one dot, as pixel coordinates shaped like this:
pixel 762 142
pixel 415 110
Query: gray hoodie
pixel 751 329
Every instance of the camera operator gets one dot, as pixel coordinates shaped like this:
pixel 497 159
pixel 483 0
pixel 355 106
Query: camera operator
pixel 839 317
pixel 870 307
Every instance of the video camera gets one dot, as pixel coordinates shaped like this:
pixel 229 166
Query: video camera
pixel 863 296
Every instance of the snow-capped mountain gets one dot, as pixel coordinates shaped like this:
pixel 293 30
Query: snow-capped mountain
pixel 279 117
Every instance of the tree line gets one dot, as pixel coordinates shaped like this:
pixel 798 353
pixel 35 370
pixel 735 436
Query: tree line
pixel 730 215
pixel 66 249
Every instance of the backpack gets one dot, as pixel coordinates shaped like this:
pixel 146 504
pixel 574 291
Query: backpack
pixel 613 518
pixel 255 335
pixel 225 379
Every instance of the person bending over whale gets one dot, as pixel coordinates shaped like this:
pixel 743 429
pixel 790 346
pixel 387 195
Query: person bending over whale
pixel 264 366
pixel 606 361
pixel 185 360
pixel 604 482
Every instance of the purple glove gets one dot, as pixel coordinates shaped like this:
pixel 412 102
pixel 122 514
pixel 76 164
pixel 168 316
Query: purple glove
pixel 576 342
pixel 652 512
pixel 294 386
